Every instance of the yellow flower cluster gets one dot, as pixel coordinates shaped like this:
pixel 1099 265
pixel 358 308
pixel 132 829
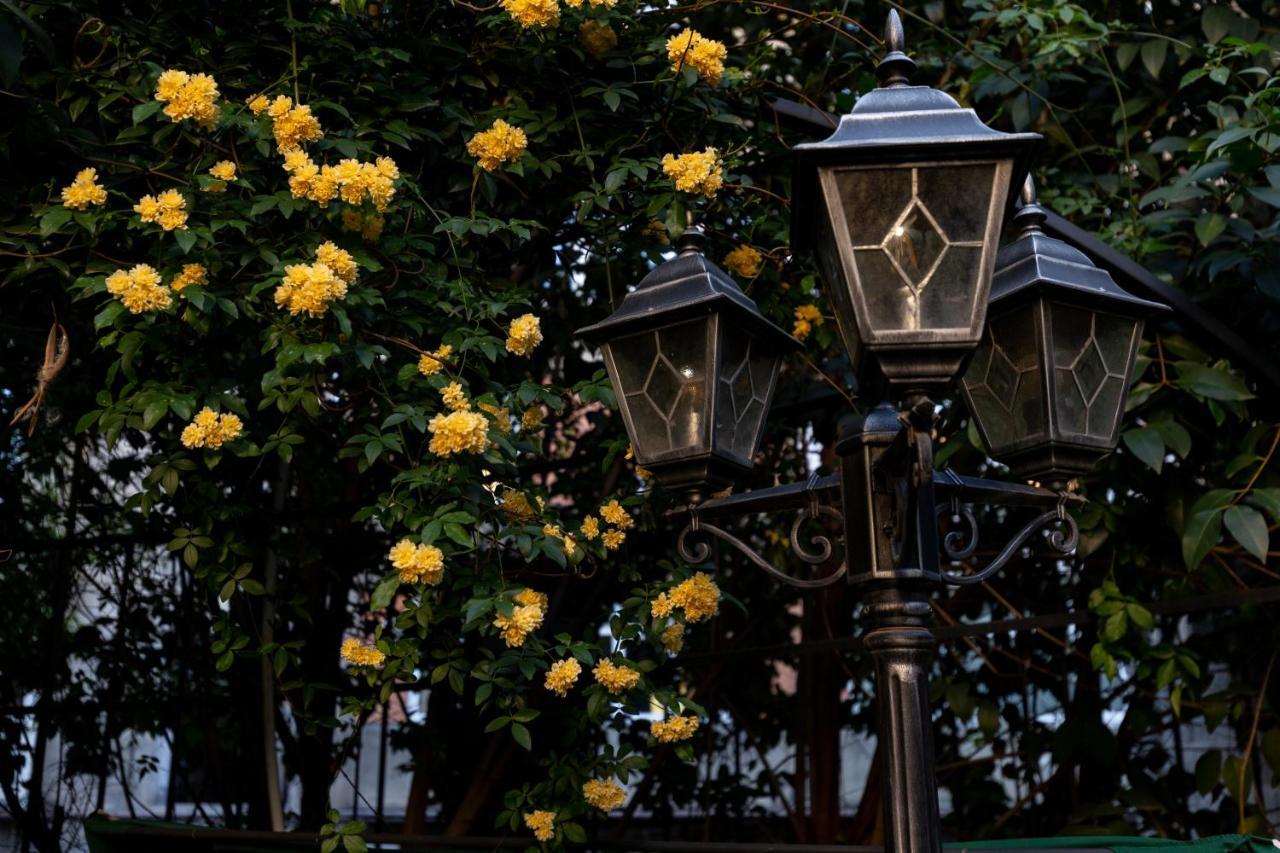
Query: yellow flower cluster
pixel 673 637
pixel 524 334
pixel 597 39
pixel 455 398
pixel 515 506
pixel 706 56
pixel 191 274
pixel 501 417
pixel 84 190
pixel 613 513
pixel 186 95
pixel 431 363
pixel 361 655
pixel 533 13
pixel 368 227
pixel 562 676
pixel 542 823
pixel 807 316
pixel 526 617
pixel 673 729
pixel 169 210
pixel 210 429
pixel 222 172
pixel 616 679
pixel 501 143
pixel 310 288
pixel 458 432
pixel 745 261
pixel 604 794
pixel 531 420
pixel 291 125
pixel 698 596
pixel 258 103
pixel 350 180
pixel 417 563
pixel 696 172
pixel 139 288
pixel 590 527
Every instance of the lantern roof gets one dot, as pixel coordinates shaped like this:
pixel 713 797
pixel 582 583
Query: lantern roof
pixel 895 123
pixel 1036 264
pixel 686 286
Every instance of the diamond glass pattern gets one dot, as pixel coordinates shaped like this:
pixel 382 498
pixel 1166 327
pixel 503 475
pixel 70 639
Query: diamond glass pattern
pixel 1004 382
pixel 662 378
pixel 744 385
pixel 1091 362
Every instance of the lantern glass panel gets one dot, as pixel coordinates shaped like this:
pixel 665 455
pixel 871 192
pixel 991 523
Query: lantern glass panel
pixel 745 383
pixel 1092 353
pixel 915 239
pixel 661 375
pixel 1004 382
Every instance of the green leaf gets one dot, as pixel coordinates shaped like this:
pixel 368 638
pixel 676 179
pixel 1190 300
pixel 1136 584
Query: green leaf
pixel 1209 226
pixel 53 220
pixel 185 238
pixel 574 833
pixel 145 110
pixel 354 844
pixel 1269 500
pixel 1216 383
pixel 1249 528
pixel 1216 22
pixel 1146 444
pixel 1200 535
pixel 384 591
pixel 1153 54
pixel 520 735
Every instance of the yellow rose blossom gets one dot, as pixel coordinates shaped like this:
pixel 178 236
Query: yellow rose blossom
pixel 258 103
pixel 501 417
pixel 673 729
pixel 693 50
pixel 417 563
pixel 84 190
pixel 429 364
pixel 542 823
pixel 168 210
pixel 531 419
pixel 339 260
pixel 212 430
pixel 515 506
pixel 191 274
pixel 590 527
pixel 372 229
pixel 614 513
pixel 455 398
pixel 604 794
pixel 697 172
pixel 193 96
pixel 698 596
pixel 526 617
pixel 657 232
pixel 223 170
pixel 524 334
pixel 673 637
pixel 745 261
pixel 139 288
pixel 615 679
pixel 501 143
pixel 662 606
pixel 597 39
pixel 562 676
pixel 458 432
pixel 533 13
pixel 807 316
pixel 361 655
pixel 292 125
pixel 613 539
pixel 309 289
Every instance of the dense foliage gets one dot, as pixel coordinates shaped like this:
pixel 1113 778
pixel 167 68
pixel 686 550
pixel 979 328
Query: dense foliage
pixel 174 573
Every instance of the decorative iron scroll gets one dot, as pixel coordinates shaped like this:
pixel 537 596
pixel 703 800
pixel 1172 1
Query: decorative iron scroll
pixel 700 552
pixel 960 545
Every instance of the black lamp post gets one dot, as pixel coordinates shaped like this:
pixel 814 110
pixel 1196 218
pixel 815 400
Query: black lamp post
pixel 903 207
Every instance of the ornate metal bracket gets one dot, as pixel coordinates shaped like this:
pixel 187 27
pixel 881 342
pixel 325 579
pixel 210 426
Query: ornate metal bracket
pixel 700 552
pixel 960 545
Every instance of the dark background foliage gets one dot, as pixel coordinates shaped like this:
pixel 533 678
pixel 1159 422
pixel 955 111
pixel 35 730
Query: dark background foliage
pixel 1161 132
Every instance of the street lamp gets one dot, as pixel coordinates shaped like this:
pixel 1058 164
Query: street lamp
pixel 902 206
pixel 693 363
pixel 1048 383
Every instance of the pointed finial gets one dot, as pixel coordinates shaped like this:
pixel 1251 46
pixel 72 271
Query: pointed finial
pixel 896 67
pixel 693 239
pixel 1030 215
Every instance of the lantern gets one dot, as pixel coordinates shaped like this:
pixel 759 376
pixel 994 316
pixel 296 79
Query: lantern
pixel 693 363
pixel 902 206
